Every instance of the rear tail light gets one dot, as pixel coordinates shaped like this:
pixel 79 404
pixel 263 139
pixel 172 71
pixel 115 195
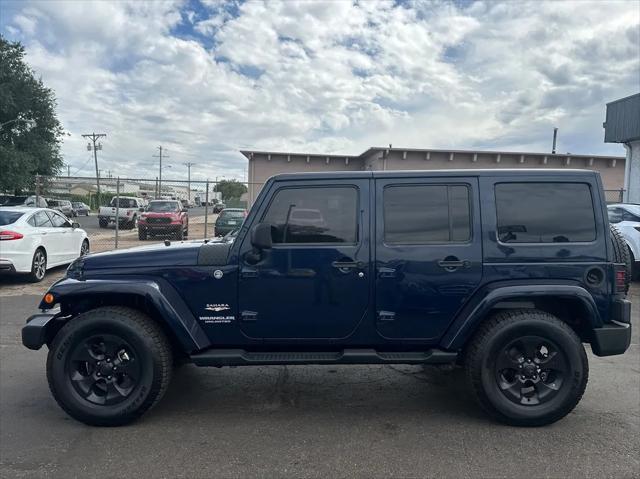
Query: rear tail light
pixel 621 278
pixel 10 235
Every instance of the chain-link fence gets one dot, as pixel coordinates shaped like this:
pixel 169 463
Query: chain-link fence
pixel 127 212
pixel 614 196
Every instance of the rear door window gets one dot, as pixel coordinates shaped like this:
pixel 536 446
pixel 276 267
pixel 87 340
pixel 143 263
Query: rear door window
pixel 422 214
pixel 544 213
pixel 42 220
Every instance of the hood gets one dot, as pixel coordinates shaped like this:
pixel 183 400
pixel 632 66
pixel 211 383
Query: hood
pixel 176 254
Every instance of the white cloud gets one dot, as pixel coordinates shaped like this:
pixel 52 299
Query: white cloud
pixel 205 80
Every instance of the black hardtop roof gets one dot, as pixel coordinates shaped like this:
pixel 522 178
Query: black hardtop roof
pixel 497 172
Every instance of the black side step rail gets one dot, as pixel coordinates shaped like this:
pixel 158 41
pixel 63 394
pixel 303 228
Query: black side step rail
pixel 240 357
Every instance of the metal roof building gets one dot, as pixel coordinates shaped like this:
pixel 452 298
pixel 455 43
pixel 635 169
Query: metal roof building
pixel 264 164
pixel 622 125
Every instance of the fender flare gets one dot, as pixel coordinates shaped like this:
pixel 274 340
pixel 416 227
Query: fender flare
pixel 172 308
pixel 484 300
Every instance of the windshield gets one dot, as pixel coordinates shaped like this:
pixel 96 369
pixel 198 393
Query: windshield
pixel 53 202
pixel 77 205
pixel 232 214
pixel 15 200
pixel 8 217
pixel 162 206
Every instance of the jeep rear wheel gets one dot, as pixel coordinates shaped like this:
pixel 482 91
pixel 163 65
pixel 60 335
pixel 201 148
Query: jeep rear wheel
pixel 108 366
pixel 527 368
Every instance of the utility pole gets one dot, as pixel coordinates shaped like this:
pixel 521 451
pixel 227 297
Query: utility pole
pixel 94 137
pixel 555 138
pixel 189 165
pixel 159 155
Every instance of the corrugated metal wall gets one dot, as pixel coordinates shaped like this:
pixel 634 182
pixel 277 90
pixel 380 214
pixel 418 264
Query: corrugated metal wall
pixel 623 120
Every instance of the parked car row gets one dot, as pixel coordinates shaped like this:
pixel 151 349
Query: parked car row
pixel 33 240
pixel 66 207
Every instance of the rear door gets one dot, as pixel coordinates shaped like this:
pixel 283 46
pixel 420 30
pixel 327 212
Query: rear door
pixel 66 247
pixel 44 228
pixel 428 253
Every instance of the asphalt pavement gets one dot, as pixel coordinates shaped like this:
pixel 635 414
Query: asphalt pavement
pixel 312 421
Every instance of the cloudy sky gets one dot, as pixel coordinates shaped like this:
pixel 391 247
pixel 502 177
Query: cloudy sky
pixel 205 78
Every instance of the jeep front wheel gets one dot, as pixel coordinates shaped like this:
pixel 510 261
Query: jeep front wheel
pixel 108 366
pixel 527 368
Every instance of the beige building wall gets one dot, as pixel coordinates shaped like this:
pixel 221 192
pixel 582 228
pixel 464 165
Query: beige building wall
pixel 263 165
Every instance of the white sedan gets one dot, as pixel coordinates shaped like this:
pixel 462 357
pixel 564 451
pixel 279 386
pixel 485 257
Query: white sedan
pixel 33 240
pixel 626 217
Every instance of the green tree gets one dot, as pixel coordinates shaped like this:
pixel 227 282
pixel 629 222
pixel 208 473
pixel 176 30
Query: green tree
pixel 31 145
pixel 230 189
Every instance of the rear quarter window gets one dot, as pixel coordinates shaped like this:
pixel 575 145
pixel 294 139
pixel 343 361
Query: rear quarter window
pixel 545 212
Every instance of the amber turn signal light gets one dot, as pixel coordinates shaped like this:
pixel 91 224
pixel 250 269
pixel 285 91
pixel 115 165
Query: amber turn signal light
pixel 48 298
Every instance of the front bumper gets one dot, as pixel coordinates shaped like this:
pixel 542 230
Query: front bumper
pixel 159 227
pixel 35 332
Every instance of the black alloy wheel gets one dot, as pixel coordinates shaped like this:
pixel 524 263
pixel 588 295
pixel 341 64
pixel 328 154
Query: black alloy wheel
pixel 104 369
pixel 530 370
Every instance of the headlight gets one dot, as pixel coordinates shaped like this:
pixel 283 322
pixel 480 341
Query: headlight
pixel 75 269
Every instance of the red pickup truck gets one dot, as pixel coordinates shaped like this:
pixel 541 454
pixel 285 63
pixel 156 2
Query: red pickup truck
pixel 164 217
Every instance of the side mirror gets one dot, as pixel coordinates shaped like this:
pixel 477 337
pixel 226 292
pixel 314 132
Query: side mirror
pixel 75 225
pixel 261 236
pixel 184 210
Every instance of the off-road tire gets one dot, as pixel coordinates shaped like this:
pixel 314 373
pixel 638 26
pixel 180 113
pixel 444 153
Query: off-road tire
pixel 151 346
pixel 497 332
pixel 621 254
pixel 179 234
pixel 142 234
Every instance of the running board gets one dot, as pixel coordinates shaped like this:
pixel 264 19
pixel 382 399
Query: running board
pixel 240 357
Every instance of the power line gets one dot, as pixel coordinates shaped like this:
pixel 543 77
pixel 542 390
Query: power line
pixel 160 170
pixel 189 165
pixel 94 137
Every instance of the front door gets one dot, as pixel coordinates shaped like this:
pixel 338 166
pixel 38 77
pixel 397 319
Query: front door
pixel 313 283
pixel 428 253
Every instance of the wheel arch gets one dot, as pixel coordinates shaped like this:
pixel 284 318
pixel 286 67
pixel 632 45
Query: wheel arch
pixel 155 298
pixel 569 303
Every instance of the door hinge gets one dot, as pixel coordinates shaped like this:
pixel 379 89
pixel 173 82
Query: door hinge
pixel 386 315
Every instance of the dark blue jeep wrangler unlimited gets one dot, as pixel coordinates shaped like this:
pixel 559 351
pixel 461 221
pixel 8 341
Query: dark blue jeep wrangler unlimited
pixel 506 272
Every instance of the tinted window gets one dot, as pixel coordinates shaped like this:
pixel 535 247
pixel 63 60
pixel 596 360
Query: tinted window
pixel 8 217
pixel 544 213
pixel 314 215
pixel 426 214
pixel 58 221
pixel 42 219
pixel 124 203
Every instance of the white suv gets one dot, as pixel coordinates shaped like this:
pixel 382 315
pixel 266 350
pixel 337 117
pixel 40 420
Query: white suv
pixel 626 217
